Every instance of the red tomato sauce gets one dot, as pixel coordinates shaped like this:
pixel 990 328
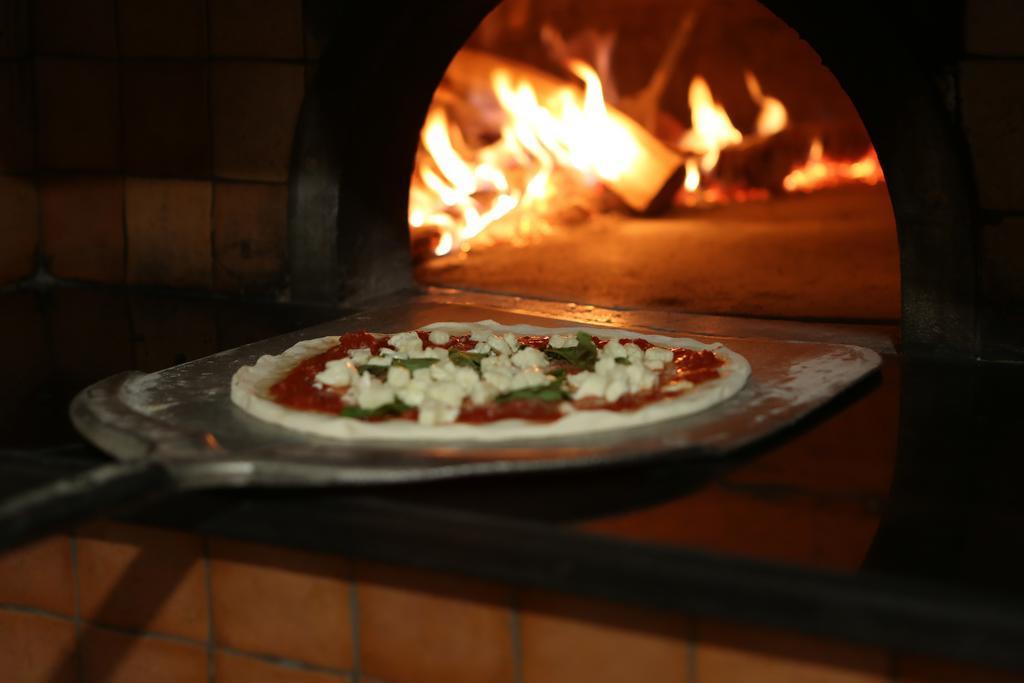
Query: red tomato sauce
pixel 297 389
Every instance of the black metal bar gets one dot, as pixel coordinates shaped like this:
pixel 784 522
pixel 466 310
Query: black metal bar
pixel 104 489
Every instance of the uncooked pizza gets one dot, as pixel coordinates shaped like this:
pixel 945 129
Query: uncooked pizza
pixel 485 382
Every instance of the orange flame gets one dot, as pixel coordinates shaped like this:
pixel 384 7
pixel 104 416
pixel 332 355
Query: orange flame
pixel 819 171
pixel 462 193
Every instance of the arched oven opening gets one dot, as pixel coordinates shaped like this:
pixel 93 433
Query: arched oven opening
pixel 730 159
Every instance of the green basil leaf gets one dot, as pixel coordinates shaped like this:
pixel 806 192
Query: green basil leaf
pixel 583 355
pixel 547 392
pixel 466 358
pixel 622 361
pixel 394 408
pixel 375 370
pixel 415 363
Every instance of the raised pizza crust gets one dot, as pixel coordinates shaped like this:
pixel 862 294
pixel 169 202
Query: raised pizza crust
pixel 250 387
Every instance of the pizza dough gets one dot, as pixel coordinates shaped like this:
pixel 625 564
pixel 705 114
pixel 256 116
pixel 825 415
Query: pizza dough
pixel 250 391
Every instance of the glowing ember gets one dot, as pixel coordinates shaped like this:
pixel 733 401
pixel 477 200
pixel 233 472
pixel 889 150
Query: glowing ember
pixel 819 171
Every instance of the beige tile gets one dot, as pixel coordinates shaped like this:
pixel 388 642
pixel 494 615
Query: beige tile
pixel 36 649
pixel 83 227
pixel 162 28
pixel 570 639
pixel 91 333
pixel 236 669
pixel 39 575
pixel 992 97
pixel 81 28
pixel 256 28
pixel 1002 253
pixel 110 657
pixel 994 27
pixel 250 236
pixel 17 119
pixel 282 603
pixel 20 236
pixel 255 109
pixel 421 627
pixel 915 669
pixel 15 19
pixel 166 119
pixel 78 115
pixel 734 654
pixel 140 578
pixel 168 230
pixel 169 330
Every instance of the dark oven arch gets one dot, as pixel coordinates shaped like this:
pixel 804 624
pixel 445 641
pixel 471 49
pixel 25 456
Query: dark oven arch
pixel 348 188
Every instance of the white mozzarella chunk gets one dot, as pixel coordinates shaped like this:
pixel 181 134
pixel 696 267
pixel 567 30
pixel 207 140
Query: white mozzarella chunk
pixel 528 379
pixel 529 357
pixel 466 378
pixel 652 364
pixel 437 413
pixel 374 395
pixel 480 335
pixel 613 349
pixel 432 352
pixel 656 353
pixel 606 366
pixel 495 363
pixel 590 385
pixel 482 392
pixel 615 389
pixel 421 374
pixel 499 344
pixel 413 393
pixel 482 347
pixel 359 356
pixel 442 371
pixel 439 337
pixel 337 373
pixel 398 376
pixel 633 353
pixel 499 378
pixel 512 341
pixel 639 378
pixel 406 342
pixel 379 361
pixel 448 393
pixel 676 387
pixel 563 341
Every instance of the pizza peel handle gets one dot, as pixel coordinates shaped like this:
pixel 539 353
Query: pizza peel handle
pixel 35 513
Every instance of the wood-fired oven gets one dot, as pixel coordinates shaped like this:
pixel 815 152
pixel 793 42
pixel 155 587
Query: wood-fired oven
pixel 359 139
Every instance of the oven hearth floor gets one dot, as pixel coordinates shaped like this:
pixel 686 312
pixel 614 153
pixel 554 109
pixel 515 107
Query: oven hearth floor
pixel 828 255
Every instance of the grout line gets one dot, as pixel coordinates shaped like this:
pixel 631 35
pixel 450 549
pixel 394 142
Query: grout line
pixel 37 611
pixel 167 637
pixel 76 593
pixel 353 609
pixel 177 59
pixel 123 175
pixel 285 663
pixel 211 644
pixel 691 651
pixel 516 633
pixel 210 144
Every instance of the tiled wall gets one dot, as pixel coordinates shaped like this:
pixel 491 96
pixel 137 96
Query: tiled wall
pixel 120 604
pixel 148 141
pixel 992 110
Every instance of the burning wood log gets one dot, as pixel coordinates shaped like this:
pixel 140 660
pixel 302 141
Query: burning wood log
pixel 763 162
pixel 646 187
